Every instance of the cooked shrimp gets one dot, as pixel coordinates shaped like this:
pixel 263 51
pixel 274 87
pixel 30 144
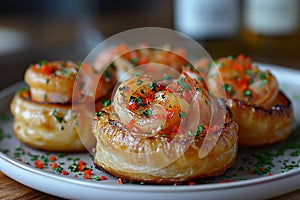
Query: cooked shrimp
pixel 51 81
pixel 148 105
pixel 162 106
pixel 200 94
pixel 91 85
pixel 106 57
pixel 124 58
pixel 244 81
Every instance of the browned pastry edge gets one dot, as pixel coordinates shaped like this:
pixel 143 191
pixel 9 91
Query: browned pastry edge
pixel 259 126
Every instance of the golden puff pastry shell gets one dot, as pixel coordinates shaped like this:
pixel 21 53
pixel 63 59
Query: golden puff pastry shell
pixel 45 126
pixel 117 148
pixel 259 126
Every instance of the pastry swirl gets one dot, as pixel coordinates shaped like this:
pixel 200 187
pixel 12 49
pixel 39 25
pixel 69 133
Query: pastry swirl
pixel 263 112
pixel 168 156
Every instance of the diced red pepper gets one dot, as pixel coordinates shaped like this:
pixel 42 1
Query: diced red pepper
pixel 64 172
pixel 52 158
pixel 148 100
pixel 122 48
pixel 248 66
pixel 175 129
pixel 88 171
pixel 142 61
pixel 132 106
pixel 39 164
pixel 54 165
pixel 241 57
pixel 238 67
pixel 170 114
pixel 242 83
pixel 46 69
pixel 87 174
pixel 80 168
pixel 81 162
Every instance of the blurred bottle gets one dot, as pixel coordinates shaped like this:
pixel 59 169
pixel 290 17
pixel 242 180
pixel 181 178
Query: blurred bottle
pixel 271 28
pixel 207 19
pixel 271 17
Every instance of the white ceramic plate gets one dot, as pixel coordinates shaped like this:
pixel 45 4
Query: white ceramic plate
pixel 258 173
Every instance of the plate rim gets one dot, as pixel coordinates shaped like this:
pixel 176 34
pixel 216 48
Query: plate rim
pixel 10 90
pixel 153 188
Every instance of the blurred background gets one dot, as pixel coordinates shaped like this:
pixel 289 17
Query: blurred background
pixel 32 30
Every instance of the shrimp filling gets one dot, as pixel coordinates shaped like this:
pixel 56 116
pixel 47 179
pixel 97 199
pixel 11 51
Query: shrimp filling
pixel 164 106
pixel 244 81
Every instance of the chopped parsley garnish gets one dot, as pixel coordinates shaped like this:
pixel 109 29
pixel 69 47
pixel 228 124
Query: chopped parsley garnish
pixel 134 60
pixel 121 88
pixel 42 62
pixel 190 133
pixel 105 102
pixel 264 82
pixel 262 76
pixel 250 81
pixel 227 87
pixel 182 114
pixel 167 77
pixel 247 93
pixel 248 72
pixel 139 101
pixel 147 113
pixel 99 114
pixel 58 118
pixel 152 86
pixel 198 89
pixel 200 129
pixel 64 71
pixel 132 99
pixel 183 84
pixel 139 82
pixel 200 79
pixel 230 57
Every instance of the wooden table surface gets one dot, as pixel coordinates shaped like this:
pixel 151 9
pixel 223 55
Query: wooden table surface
pixel 10 190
